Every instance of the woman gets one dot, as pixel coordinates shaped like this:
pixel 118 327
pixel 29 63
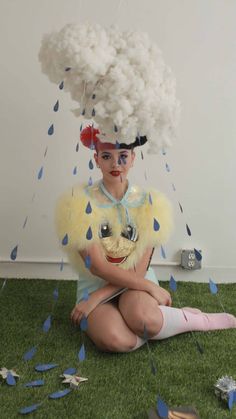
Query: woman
pixel 112 228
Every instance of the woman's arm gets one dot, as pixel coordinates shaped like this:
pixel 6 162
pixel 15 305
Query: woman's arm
pixel 123 278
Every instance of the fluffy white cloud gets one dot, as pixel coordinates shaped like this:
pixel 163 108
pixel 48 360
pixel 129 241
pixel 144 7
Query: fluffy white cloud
pixel 120 75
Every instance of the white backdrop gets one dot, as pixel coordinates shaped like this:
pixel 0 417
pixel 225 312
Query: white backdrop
pixel 197 38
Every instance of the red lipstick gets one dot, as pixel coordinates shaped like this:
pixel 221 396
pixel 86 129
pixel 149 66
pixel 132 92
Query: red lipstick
pixel 115 173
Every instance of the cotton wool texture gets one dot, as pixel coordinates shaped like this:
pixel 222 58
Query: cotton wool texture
pixel 118 78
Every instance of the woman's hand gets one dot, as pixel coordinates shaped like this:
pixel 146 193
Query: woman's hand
pixel 82 309
pixel 162 296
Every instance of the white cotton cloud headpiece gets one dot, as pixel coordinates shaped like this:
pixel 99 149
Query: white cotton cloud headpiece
pixel 118 78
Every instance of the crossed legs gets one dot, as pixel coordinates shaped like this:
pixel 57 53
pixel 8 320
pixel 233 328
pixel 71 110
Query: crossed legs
pixel 116 327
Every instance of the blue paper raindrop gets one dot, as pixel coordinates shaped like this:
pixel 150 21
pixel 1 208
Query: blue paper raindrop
pixel 231 399
pixel 163 152
pixel 30 354
pixel 10 379
pixel 117 145
pixel 47 324
pixel 188 230
pixel 142 155
pixel 93 112
pixel 70 371
pixel 88 262
pixel 88 208
pixel 93 96
pixel 85 294
pixel 162 408
pixel 29 409
pixel 62 265
pixel 36 383
pixel 65 240
pixel 173 187
pixel 213 287
pixel 45 152
pixel 173 284
pixel 150 199
pixel 14 253
pixel 75 170
pixel 90 181
pixel 81 127
pixel 163 253
pixel 45 367
pixel 198 254
pixel 145 333
pixel 89 234
pixel 115 128
pixel 77 148
pixel 91 164
pixel 59 394
pixel 26 218
pixel 51 130
pixel 156 225
pixel 81 353
pixel 83 112
pixel 55 294
pixel 181 208
pixel 84 324
pixel 61 85
pixel 56 106
pixel 67 68
pixel 40 173
pixel 167 167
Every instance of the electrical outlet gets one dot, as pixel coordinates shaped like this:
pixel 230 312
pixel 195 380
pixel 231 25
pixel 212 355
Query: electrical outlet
pixel 189 260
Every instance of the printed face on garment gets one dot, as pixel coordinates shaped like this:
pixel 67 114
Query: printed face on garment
pixel 114 163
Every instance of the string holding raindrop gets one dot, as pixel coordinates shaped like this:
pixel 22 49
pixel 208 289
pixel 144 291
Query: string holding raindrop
pixel 142 155
pixel 188 230
pixel 77 148
pixel 91 166
pixel 61 85
pixel 56 106
pixel 75 170
pixel 145 175
pixel 45 152
pixel 156 225
pixel 173 187
pixel 88 208
pixel 89 234
pixel 93 112
pixel 40 173
pixel 65 240
pixel 51 130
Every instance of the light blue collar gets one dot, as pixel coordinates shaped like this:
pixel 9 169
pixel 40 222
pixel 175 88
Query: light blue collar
pixel 116 202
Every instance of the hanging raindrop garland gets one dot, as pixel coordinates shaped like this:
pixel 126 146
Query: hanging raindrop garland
pixel 10 375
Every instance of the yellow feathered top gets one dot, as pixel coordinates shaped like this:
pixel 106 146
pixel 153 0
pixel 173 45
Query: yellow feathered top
pixel 124 229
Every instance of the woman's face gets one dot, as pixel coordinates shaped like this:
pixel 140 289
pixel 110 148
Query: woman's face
pixel 114 164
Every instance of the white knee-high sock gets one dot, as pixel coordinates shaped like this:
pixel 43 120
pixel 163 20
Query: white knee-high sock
pixel 139 343
pixel 176 321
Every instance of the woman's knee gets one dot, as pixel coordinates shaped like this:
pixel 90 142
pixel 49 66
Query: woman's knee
pixel 145 318
pixel 114 342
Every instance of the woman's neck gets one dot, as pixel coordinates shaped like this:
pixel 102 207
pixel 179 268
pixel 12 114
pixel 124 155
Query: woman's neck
pixel 118 189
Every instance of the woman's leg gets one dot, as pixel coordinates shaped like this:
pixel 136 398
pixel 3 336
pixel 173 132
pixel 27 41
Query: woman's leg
pixel 139 308
pixel 108 330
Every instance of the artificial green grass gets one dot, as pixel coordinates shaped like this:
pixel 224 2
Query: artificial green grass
pixel 120 386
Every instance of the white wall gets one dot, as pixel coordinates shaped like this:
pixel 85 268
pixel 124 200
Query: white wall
pixel 197 38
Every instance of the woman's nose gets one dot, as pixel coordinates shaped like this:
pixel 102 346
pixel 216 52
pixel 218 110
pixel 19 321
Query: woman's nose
pixel 116 162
